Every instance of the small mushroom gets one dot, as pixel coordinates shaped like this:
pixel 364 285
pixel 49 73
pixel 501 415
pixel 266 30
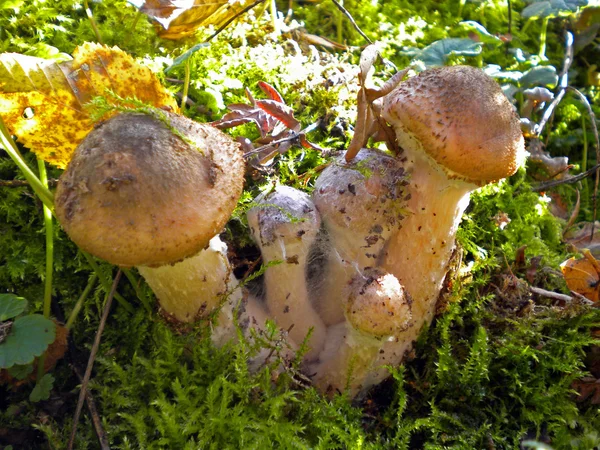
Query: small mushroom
pixel 285 224
pixel 377 307
pixel 458 132
pixel 361 206
pixel 145 190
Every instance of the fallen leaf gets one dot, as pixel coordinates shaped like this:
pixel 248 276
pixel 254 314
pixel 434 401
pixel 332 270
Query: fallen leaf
pixel 181 18
pixel 42 102
pixel 583 275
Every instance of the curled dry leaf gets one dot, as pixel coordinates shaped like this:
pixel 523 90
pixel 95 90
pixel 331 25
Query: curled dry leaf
pixel 369 123
pixel 278 127
pixel 583 275
pixel 42 102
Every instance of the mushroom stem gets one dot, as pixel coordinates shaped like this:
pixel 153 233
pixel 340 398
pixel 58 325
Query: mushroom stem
pixel 285 225
pixel 194 287
pixel 419 252
pixel 376 308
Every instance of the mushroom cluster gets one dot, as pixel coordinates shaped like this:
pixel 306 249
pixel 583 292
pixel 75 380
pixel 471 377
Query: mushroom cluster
pixel 353 271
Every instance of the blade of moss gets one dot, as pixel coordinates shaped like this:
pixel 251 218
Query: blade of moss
pixel 80 300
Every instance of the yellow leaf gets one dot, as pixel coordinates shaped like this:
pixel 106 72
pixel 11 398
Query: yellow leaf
pixel 182 18
pixel 583 276
pixel 57 92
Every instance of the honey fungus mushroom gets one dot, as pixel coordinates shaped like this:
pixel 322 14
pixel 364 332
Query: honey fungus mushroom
pixel 457 132
pixel 150 191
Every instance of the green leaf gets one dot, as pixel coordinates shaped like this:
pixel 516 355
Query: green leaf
pixel 539 76
pixel 29 337
pixel 185 56
pixel 437 54
pixel 485 36
pixel 20 372
pixel 552 8
pixel 11 306
pixel 11 4
pixel 42 389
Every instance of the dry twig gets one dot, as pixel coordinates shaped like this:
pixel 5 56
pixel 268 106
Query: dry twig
pixel 92 358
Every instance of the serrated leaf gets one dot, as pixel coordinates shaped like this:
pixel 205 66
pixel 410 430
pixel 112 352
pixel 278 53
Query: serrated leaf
pixel 56 94
pixel 437 54
pixel 29 337
pixel 539 76
pixel 182 18
pixel 552 8
pixel 42 389
pixel 11 306
pixel 20 372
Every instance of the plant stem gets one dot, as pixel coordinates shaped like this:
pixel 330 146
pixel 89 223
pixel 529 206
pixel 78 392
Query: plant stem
pixel 80 301
pixel 136 286
pixel 88 12
pixel 543 34
pixel 105 282
pixel 49 260
pixel 461 5
pixel 584 158
pixel 9 145
pixel 49 243
pixel 340 35
pixel 274 17
pixel 186 86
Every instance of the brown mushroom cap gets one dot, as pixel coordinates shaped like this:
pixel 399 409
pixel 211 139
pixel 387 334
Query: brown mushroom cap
pixel 136 193
pixel 463 120
pixel 378 305
pixel 363 195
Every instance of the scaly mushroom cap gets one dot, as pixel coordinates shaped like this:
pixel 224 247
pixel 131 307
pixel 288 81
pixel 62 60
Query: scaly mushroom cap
pixel 462 119
pixel 285 213
pixel 136 193
pixel 365 195
pixel 377 304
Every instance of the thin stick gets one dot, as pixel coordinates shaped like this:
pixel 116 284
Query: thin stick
pixel 352 21
pixel 550 294
pixel 52 182
pixel 96 421
pixel 90 365
pixel 563 82
pixel 553 183
pixel 226 24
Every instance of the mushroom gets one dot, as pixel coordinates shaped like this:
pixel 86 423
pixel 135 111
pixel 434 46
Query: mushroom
pixel 361 206
pixel 458 132
pixel 151 190
pixel 376 307
pixel 285 224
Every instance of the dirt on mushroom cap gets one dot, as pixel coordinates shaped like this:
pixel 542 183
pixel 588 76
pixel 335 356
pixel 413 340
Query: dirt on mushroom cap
pixel 135 193
pixel 463 120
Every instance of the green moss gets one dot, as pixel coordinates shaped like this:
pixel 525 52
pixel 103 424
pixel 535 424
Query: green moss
pixel 497 366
